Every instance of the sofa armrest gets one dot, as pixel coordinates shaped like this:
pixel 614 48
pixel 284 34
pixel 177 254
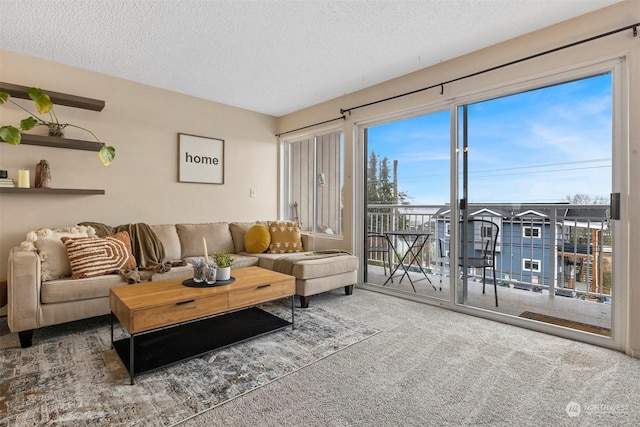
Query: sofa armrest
pixel 23 289
pixel 308 241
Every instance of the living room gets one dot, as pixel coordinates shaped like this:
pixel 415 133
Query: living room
pixel 143 123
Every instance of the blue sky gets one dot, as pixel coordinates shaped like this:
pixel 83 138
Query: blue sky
pixel 536 146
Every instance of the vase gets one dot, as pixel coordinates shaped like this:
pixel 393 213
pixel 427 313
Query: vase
pixel 224 273
pixel 210 274
pixel 43 175
pixel 198 270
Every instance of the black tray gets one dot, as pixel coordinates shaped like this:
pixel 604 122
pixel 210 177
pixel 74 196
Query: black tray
pixel 193 284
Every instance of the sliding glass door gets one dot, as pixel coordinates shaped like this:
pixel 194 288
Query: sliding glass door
pixel 501 203
pixel 535 182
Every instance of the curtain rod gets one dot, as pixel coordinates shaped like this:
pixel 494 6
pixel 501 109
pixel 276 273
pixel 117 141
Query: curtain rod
pixel 441 85
pixel 343 117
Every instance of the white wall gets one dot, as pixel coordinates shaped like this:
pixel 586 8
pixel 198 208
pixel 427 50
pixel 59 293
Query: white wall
pixel 619 45
pixel 141 185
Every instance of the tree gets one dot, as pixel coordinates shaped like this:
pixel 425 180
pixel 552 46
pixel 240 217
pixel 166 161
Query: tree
pixel 385 184
pixel 372 179
pixel 585 199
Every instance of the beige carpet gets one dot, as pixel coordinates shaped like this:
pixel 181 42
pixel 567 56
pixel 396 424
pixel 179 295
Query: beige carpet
pixel 434 367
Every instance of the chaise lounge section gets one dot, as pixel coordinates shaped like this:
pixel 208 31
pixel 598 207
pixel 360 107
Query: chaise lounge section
pixel 41 291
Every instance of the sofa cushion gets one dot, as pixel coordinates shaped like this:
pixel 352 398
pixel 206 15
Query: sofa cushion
pixel 257 239
pixel 94 256
pixel 217 235
pixel 51 250
pixel 168 235
pixel 285 237
pixel 312 268
pixel 64 290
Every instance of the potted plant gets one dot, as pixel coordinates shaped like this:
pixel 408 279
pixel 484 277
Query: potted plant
pixel 223 260
pixel 11 134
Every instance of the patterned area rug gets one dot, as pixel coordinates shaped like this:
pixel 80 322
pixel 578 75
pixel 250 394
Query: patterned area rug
pixel 71 376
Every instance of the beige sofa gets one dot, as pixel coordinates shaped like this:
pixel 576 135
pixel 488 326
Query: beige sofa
pixel 34 303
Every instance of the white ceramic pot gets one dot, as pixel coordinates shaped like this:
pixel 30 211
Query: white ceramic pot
pixel 223 273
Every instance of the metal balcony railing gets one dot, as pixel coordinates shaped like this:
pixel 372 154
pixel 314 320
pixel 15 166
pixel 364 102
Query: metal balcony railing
pixel 559 248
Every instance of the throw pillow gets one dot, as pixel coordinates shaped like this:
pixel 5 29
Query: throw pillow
pixel 54 263
pixel 285 237
pixel 94 256
pixel 124 237
pixel 257 239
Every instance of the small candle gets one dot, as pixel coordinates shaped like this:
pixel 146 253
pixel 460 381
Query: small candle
pixel 23 178
pixel 204 246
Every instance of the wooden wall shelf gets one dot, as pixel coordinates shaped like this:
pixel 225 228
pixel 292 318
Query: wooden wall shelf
pixel 52 191
pixel 57 142
pixel 57 98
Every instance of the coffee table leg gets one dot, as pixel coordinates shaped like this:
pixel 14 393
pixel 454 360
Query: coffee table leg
pixel 111 330
pixel 293 326
pixel 131 359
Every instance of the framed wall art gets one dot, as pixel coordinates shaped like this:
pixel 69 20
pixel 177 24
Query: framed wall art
pixel 201 159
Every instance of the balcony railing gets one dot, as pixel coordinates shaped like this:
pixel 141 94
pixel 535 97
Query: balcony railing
pixel 560 248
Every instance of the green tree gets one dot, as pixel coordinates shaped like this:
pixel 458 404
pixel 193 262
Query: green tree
pixel 372 179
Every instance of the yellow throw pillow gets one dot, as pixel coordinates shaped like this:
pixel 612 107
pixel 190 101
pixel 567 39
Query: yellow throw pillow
pixel 285 237
pixel 257 239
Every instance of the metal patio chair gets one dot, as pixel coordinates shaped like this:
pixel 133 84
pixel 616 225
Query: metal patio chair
pixel 478 248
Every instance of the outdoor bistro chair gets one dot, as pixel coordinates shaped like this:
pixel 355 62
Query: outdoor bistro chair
pixel 442 260
pixel 379 244
pixel 479 245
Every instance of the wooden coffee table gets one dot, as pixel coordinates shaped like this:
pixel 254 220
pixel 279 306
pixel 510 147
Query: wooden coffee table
pixel 169 322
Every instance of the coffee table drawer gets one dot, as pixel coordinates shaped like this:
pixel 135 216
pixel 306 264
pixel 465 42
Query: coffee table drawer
pixel 171 314
pixel 261 293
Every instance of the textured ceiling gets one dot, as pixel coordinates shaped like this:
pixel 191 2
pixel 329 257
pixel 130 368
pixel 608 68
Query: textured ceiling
pixel 273 57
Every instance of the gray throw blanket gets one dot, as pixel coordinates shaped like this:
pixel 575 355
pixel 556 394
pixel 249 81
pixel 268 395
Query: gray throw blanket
pixel 286 263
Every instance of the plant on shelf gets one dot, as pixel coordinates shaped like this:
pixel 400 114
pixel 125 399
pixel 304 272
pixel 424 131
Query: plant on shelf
pixel 11 134
pixel 223 259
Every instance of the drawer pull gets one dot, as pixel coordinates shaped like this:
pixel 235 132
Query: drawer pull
pixel 185 302
pixel 263 286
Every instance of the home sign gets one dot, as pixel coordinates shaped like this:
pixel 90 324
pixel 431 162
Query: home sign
pixel 200 159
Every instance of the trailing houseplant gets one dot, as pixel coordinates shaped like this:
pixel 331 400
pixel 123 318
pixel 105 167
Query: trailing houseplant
pixel 11 134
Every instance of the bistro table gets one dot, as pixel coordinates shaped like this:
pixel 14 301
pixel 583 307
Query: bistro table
pixel 414 241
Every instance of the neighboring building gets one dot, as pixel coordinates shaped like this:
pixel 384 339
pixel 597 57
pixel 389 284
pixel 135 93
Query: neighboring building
pixel 546 245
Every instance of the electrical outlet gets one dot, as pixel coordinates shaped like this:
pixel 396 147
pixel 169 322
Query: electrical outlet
pixel 252 192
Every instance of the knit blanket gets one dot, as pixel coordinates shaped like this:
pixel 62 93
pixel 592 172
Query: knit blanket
pixel 285 264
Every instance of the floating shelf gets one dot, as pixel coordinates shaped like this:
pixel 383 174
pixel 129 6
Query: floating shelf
pixel 57 142
pixel 57 98
pixel 56 191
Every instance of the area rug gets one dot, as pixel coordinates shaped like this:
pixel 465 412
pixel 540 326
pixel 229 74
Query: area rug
pixel 71 376
pixel 566 323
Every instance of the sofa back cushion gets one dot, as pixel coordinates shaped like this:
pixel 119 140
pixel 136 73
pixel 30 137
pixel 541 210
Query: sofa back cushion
pixel 168 235
pixel 217 235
